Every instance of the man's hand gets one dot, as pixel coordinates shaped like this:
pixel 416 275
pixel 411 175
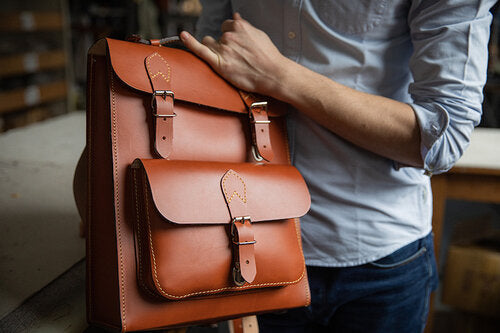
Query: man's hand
pixel 244 55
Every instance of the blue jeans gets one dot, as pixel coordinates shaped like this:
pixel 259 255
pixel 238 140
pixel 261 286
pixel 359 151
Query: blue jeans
pixel 388 295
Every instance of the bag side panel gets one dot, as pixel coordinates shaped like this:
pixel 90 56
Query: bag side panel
pixel 103 306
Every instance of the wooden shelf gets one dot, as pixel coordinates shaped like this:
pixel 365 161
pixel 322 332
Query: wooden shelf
pixel 34 64
pixel 31 21
pixel 31 62
pixel 32 96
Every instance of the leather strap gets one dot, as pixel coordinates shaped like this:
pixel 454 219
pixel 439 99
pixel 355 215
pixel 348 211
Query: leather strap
pixel 257 111
pixel 238 325
pixel 162 103
pixel 243 242
pixel 248 324
pixel 242 235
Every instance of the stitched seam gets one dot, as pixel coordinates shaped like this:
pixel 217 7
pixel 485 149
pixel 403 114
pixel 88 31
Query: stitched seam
pixel 139 238
pixel 117 185
pixel 204 292
pixel 148 65
pixel 299 240
pixel 244 199
pixel 138 224
pixel 89 168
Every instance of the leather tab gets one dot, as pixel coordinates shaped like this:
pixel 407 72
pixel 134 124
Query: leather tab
pixel 155 42
pixel 243 244
pixel 234 190
pixel 257 111
pixel 260 130
pixel 162 103
pixel 237 326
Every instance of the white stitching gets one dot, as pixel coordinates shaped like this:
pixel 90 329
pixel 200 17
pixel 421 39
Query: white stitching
pixel 244 198
pixel 148 59
pixel 139 239
pixel 118 222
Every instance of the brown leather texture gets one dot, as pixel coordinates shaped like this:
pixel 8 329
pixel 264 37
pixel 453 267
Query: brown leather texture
pixel 161 207
pixel 195 85
pixel 175 255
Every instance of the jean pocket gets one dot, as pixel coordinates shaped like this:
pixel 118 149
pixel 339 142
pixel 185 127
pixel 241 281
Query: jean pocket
pixel 399 258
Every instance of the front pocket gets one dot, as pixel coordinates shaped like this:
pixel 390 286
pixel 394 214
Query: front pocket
pixel 394 260
pixel 184 232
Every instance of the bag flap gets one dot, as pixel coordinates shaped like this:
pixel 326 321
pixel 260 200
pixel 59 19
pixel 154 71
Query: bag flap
pixel 189 192
pixel 192 79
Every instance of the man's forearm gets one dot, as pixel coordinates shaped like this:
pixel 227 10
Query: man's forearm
pixel 378 124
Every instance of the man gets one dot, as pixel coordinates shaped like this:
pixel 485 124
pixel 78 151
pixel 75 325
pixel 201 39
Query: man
pixel 383 94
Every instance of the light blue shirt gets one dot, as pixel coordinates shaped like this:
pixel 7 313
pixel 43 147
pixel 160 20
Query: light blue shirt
pixel 430 54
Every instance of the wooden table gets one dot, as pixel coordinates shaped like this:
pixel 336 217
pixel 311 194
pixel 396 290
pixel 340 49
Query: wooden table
pixel 476 177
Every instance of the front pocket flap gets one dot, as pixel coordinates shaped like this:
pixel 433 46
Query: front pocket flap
pixel 192 80
pixel 189 192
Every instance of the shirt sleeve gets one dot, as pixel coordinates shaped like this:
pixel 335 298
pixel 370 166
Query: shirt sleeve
pixel 449 64
pixel 214 12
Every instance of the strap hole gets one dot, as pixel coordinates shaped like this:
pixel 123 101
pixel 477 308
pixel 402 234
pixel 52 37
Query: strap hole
pixel 262 130
pixel 164 138
pixel 247 262
pixel 265 146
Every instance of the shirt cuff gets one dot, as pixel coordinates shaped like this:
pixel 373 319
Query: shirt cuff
pixel 433 122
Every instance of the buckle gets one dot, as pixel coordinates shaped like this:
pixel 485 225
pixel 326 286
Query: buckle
pixel 233 234
pixel 255 106
pixel 241 220
pixel 164 94
pixel 237 272
pixel 237 278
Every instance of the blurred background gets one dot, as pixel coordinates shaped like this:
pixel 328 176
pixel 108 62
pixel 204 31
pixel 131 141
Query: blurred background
pixel 43 47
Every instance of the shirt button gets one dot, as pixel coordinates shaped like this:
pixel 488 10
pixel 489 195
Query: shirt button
pixel 291 35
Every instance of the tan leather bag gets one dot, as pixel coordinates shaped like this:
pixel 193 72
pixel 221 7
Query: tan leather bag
pixel 192 205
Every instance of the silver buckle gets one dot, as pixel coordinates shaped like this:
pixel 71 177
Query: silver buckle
pixel 164 94
pixel 241 220
pixel 257 105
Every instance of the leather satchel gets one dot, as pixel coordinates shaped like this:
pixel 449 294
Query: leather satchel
pixel 192 205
